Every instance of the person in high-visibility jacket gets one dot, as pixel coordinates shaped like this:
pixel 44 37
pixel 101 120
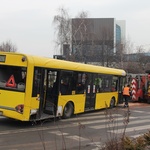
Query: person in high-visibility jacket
pixel 126 95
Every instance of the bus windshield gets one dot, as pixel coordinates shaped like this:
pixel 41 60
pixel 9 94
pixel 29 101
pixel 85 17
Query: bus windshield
pixel 12 78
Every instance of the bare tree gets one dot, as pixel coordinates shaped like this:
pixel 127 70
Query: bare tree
pixel 8 47
pixel 64 31
pixel 80 39
pixel 124 56
pixel 129 46
pixel 63 28
pixel 82 42
pixel 107 47
pixel 82 14
pixel 92 43
pixel 137 62
pixel 142 59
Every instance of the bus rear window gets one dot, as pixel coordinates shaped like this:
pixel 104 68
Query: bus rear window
pixel 12 78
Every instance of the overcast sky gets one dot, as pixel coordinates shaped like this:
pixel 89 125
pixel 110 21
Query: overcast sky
pixel 28 24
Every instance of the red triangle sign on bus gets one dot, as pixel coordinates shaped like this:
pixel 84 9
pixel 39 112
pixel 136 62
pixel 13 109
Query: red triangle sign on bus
pixel 11 82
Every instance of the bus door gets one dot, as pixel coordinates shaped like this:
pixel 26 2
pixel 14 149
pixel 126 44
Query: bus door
pixel 44 83
pixel 38 89
pixel 90 92
pixel 51 92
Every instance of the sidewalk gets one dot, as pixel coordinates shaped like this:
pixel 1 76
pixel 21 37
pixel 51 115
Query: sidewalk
pixel 135 104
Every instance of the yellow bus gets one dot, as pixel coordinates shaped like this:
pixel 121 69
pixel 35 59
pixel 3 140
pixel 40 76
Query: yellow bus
pixel 35 88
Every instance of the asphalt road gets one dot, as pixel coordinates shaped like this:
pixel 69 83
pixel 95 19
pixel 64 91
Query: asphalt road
pixel 88 131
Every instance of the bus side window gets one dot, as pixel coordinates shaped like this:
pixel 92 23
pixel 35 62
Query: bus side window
pixel 65 83
pixel 80 88
pixel 114 83
pixel 106 83
pixel 64 87
pixel 81 81
pixel 98 84
pixel 52 84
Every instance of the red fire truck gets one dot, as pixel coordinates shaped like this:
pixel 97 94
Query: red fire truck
pixel 140 86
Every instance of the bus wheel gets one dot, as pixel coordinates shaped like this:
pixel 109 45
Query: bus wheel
pixel 68 110
pixel 112 103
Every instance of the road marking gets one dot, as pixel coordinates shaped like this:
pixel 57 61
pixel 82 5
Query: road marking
pixel 119 124
pixel 102 121
pixel 101 116
pixel 77 138
pixel 74 137
pixel 63 126
pixel 35 129
pixel 92 117
pixel 145 127
pixel 98 145
pixel 59 133
pixel 135 136
pixel 138 111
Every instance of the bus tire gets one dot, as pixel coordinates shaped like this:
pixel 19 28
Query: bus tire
pixel 112 103
pixel 68 110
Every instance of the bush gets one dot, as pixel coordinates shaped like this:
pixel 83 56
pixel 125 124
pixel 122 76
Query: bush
pixel 125 142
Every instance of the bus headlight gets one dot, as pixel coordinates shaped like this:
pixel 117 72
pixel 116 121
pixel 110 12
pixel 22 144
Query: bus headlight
pixel 19 108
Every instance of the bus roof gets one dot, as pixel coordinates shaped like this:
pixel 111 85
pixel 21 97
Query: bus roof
pixel 67 65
